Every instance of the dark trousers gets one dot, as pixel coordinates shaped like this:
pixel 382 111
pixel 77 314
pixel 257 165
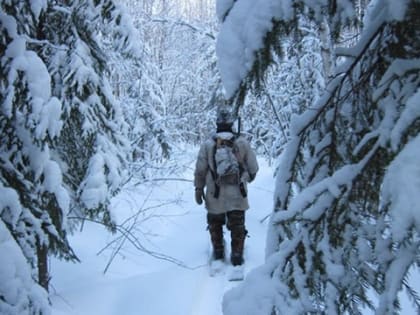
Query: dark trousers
pixel 236 226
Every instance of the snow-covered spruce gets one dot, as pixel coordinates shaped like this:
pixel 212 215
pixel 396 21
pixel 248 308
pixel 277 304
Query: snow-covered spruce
pixel 63 134
pixel 331 239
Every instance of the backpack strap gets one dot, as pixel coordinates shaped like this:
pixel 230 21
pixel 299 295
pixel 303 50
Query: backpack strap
pixel 213 172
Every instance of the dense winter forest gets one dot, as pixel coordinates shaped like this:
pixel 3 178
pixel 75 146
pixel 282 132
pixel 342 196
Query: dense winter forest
pixel 97 93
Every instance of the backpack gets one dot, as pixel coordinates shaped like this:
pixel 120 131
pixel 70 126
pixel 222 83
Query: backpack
pixel 227 166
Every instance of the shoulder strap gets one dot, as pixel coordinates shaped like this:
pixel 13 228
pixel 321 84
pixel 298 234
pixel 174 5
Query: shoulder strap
pixel 213 172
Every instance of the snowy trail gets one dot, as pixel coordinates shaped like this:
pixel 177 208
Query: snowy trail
pixel 137 283
pixel 207 296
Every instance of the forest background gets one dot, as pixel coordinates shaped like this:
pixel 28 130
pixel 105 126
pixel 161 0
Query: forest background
pixel 95 94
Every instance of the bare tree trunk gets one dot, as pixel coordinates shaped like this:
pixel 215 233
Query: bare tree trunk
pixel 43 273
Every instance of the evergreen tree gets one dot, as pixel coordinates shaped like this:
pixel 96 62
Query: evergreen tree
pixel 64 143
pixel 92 146
pixel 30 121
pixel 290 85
pixel 334 233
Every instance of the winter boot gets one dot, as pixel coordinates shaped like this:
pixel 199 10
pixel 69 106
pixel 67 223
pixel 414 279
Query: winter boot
pixel 236 259
pixel 236 225
pixel 238 240
pixel 215 227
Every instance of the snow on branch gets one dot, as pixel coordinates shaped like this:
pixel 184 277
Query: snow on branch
pixel 184 24
pixel 332 201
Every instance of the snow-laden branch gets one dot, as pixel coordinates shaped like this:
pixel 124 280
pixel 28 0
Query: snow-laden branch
pixel 194 28
pixel 333 210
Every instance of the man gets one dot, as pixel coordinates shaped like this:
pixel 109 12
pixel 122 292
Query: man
pixel 225 198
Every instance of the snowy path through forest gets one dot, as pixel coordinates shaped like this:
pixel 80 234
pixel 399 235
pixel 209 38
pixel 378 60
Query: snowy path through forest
pixel 170 223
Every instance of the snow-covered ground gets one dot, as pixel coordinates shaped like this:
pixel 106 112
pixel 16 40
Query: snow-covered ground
pixel 171 224
pixel 168 224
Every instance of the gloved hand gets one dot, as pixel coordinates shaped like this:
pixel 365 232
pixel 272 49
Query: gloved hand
pixel 251 177
pixel 199 195
pixel 247 177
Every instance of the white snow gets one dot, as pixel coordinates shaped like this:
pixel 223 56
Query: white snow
pixel 43 115
pixel 45 110
pixel 50 119
pixel 397 9
pixel 16 48
pixel 241 35
pixel 95 189
pixel 222 7
pixel 401 190
pixel 10 205
pixel 37 6
pixel 137 283
pixel 9 23
pixel 17 289
pixel 53 179
pixel 171 224
pixel 408 116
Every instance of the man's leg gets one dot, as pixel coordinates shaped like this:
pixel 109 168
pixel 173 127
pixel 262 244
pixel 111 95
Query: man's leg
pixel 215 225
pixel 236 225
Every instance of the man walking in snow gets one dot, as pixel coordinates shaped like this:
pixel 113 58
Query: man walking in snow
pixel 225 164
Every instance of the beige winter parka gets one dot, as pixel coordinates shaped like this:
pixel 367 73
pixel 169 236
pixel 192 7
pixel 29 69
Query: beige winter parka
pixel 230 197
